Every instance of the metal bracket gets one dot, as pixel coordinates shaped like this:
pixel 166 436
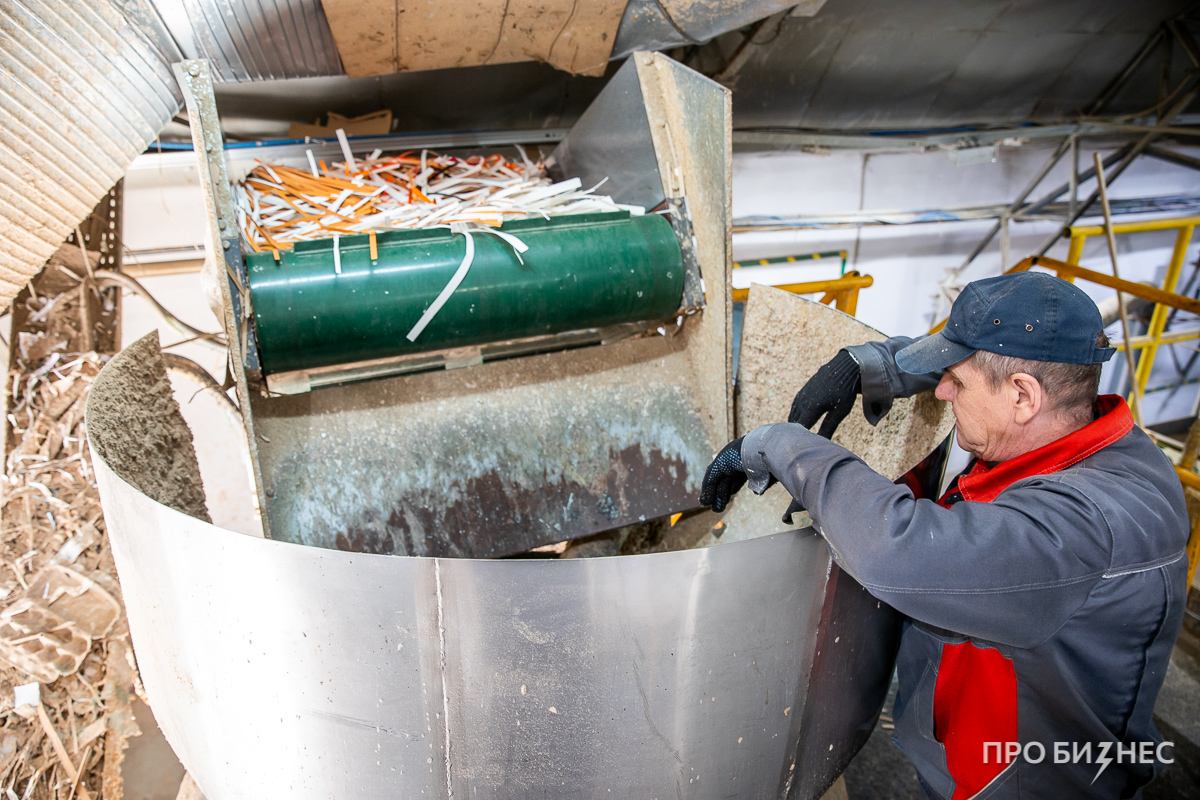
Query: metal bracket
pixel 680 218
pixel 300 381
pixel 195 79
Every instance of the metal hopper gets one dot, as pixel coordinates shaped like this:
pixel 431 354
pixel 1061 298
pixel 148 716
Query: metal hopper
pixel 754 669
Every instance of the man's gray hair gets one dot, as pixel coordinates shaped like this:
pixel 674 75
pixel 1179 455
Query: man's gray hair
pixel 1071 389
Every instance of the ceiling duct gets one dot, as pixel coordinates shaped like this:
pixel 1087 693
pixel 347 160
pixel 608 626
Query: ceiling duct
pixel 663 24
pixel 84 87
pixel 254 40
pixel 251 40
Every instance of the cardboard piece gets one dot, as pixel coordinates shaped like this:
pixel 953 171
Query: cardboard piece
pixel 48 632
pixel 785 340
pixel 378 123
pixel 378 37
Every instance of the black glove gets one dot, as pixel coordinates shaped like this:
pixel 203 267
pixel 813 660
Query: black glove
pixel 723 477
pixel 832 392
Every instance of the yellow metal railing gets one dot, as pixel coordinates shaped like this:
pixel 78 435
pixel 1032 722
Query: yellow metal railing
pixel 842 292
pixel 1154 336
pixel 1164 298
pixel 1192 481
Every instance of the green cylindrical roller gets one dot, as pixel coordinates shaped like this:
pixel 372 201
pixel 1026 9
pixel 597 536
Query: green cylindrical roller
pixel 581 271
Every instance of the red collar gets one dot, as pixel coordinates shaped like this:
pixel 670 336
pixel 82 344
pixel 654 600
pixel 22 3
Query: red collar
pixel 983 484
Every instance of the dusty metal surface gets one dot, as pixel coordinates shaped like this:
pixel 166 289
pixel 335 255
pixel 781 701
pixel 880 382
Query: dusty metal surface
pixel 494 459
pixel 663 24
pixel 615 122
pixel 754 669
pixel 487 460
pixel 196 82
pixel 689 119
pixel 83 90
pixel 249 40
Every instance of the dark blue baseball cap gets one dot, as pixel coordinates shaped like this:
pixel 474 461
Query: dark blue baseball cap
pixel 1028 315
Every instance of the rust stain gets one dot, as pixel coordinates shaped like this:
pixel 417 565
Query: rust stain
pixel 498 518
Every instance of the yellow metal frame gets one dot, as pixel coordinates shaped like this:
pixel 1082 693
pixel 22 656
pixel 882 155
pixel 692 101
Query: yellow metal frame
pixel 1149 343
pixel 842 292
pixel 1192 481
pixel 1164 298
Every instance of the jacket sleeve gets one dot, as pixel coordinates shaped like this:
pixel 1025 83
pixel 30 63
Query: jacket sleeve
pixel 882 380
pixel 1010 571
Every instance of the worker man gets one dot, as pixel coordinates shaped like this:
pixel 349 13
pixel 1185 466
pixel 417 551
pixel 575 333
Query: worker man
pixel 1043 586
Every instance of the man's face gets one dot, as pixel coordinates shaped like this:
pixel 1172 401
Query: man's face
pixel 985 416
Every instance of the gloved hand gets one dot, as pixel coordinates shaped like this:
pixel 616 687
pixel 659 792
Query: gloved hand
pixel 832 392
pixel 723 477
pixel 792 508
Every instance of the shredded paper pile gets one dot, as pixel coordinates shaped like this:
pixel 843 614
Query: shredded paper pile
pixel 279 205
pixel 67 675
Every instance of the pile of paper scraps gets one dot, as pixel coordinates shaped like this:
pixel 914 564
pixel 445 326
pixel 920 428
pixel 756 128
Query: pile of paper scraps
pixel 67 676
pixel 279 205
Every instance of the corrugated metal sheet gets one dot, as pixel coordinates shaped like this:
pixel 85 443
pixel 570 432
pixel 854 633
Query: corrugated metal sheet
pixel 254 40
pixel 928 63
pixel 83 88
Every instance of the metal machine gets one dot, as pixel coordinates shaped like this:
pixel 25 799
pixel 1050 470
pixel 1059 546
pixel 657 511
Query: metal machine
pixel 585 390
pixel 581 273
pixel 753 669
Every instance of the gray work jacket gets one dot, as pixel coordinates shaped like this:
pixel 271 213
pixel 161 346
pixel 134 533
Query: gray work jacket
pixel 1072 581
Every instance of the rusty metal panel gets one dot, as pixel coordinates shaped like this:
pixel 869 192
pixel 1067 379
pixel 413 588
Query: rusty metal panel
pixel 488 460
pixel 254 40
pixel 493 459
pixel 83 89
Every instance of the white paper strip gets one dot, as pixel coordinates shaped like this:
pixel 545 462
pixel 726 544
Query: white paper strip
pixel 437 304
pixel 350 162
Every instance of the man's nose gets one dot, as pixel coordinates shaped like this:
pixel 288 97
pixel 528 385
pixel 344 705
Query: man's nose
pixel 945 389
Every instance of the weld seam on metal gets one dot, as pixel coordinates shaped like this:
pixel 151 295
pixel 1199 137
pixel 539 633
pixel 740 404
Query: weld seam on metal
pixel 441 627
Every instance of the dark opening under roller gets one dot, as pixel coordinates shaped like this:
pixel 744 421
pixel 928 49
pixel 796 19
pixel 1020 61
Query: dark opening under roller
pixel 582 271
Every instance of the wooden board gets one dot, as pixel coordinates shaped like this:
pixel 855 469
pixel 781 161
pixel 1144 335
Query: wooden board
pixel 377 37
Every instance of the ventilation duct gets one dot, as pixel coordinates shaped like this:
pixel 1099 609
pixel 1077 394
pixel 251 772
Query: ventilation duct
pixel 85 86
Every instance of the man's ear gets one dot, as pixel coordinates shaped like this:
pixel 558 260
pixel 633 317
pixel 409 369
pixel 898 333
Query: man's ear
pixel 1029 398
